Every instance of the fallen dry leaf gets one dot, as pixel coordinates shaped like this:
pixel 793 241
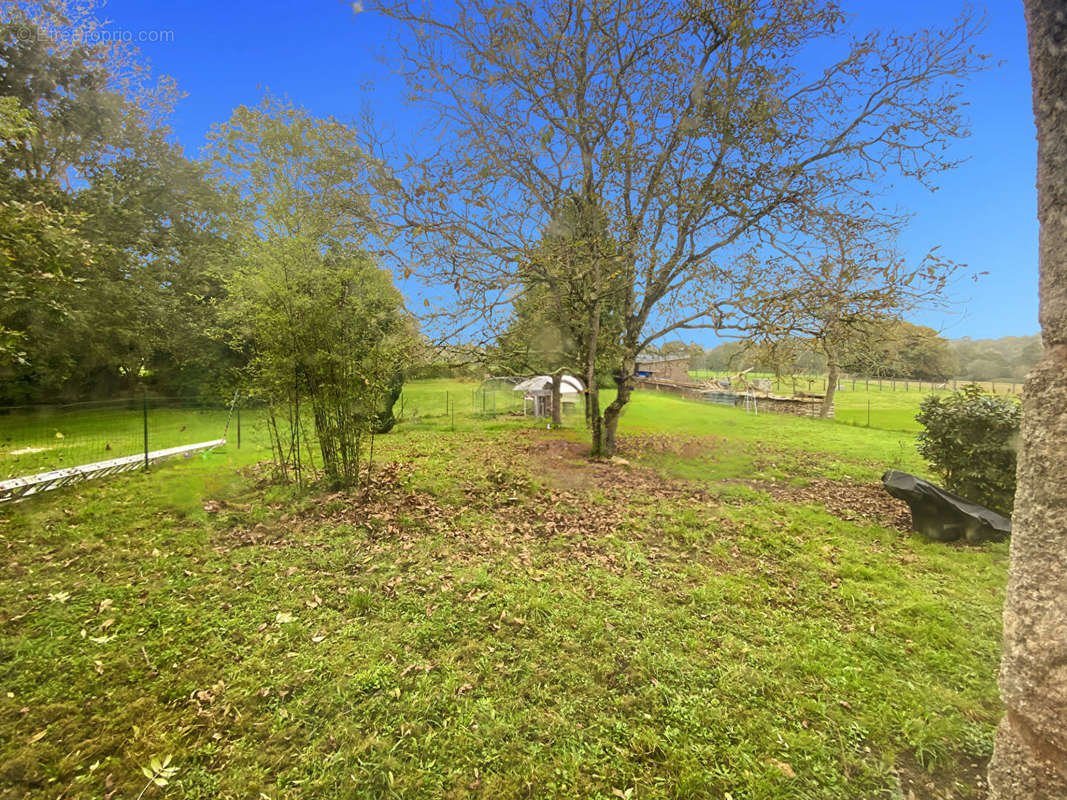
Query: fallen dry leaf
pixel 781 766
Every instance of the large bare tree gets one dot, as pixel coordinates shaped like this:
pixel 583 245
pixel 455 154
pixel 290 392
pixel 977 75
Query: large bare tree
pixel 839 284
pixel 1030 756
pixel 692 126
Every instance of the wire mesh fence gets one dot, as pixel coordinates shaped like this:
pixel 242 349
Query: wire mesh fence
pixel 432 406
pixel 37 439
pixel 817 383
pixel 43 438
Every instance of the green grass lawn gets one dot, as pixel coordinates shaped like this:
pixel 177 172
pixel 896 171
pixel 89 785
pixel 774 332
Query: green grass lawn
pixel 498 617
pixel 51 439
pixel 893 411
pixel 890 405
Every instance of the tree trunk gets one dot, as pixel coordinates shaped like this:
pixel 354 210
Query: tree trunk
pixel 592 343
pixel 832 375
pixel 1030 754
pixel 557 399
pixel 625 383
pixel 592 396
pixel 596 422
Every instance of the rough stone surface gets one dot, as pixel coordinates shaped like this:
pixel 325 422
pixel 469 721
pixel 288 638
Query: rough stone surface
pixel 1033 675
pixel 1018 773
pixel 1030 756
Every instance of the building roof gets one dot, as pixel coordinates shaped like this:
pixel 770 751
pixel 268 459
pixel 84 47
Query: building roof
pixel 568 384
pixel 661 359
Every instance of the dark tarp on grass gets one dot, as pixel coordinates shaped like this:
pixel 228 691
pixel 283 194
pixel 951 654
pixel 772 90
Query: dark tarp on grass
pixel 943 516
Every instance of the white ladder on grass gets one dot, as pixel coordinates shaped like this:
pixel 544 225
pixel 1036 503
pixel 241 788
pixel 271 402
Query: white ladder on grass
pixel 19 488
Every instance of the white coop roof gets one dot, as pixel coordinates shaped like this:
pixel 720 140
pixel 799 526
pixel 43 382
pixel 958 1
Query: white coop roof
pixel 568 384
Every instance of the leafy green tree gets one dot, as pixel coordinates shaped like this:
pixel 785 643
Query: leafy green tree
pixel 325 332
pixel 111 233
pixel 326 336
pixel 567 316
pixel 970 439
pixel 899 349
pixel 1007 358
pixel 82 89
pixel 40 251
pixel 160 254
pixel 729 356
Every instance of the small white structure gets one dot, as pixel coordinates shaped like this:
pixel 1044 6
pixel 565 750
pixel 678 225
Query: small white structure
pixel 538 390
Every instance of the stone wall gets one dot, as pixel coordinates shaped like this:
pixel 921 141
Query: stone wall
pixel 674 370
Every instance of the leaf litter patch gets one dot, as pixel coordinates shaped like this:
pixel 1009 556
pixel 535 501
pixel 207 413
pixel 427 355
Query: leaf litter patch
pixel 538 489
pixel 566 463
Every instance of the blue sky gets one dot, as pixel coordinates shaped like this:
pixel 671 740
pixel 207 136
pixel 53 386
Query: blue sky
pixel 322 56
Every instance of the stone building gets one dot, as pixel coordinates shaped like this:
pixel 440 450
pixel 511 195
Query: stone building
pixel 664 368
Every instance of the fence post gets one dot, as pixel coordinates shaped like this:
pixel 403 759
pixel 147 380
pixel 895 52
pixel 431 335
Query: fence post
pixel 370 459
pixel 238 426
pixel 144 405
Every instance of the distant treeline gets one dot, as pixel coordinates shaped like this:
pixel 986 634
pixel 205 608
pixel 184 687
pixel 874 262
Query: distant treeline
pixel 917 353
pixel 995 359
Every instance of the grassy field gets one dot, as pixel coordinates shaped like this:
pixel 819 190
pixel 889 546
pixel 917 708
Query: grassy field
pixel 53 438
pixel 50 438
pixel 887 404
pixel 730 611
pixel 817 383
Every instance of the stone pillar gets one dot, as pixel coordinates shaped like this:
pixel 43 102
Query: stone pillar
pixel 1030 754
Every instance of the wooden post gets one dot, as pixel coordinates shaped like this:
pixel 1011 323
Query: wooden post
pixel 144 402
pixel 370 459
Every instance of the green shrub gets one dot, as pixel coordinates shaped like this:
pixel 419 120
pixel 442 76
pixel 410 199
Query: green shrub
pixel 970 439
